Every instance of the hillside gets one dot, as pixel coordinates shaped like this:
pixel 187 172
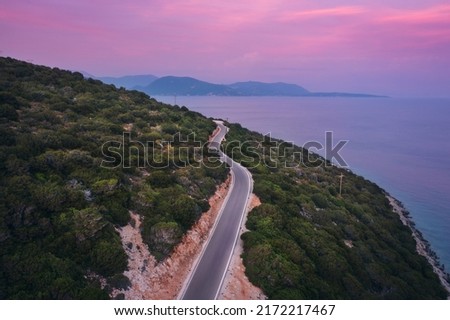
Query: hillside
pixel 76 155
pixel 185 86
pixel 69 176
pixel 308 241
pixel 254 88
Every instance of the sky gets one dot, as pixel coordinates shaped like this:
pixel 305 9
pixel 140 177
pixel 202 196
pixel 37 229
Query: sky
pixel 396 47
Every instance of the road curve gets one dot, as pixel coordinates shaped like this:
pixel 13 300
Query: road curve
pixel 207 277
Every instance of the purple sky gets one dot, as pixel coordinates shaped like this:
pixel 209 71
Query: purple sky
pixel 395 47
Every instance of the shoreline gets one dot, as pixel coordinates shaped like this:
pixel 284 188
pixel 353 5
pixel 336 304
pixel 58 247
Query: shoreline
pixel 423 247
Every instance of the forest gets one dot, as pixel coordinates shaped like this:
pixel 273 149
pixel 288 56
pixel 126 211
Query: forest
pixel 60 202
pixel 310 240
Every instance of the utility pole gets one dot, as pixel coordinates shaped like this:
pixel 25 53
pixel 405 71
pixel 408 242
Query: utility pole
pixel 340 184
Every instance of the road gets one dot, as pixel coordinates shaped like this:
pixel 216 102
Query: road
pixel 207 277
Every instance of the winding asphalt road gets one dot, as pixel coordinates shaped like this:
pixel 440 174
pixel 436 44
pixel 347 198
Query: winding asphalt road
pixel 207 277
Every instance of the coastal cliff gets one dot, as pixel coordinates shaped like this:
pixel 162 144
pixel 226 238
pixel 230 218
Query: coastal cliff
pixel 312 239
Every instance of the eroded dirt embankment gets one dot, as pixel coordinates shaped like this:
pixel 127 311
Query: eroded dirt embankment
pixel 236 285
pixel 152 280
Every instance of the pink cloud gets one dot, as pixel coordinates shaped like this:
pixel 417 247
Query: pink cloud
pixel 321 13
pixel 49 21
pixel 424 32
pixel 364 34
pixel 291 40
pixel 432 15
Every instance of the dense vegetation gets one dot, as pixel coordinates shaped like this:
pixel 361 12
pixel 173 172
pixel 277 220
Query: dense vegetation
pixel 307 241
pixel 60 205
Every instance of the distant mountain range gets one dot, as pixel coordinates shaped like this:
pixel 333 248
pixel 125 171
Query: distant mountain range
pixel 129 82
pixel 187 86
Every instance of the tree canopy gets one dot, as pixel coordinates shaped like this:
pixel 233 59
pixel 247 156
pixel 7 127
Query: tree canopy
pixel 306 241
pixel 62 195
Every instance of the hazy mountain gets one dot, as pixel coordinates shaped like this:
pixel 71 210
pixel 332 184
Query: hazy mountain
pixel 186 86
pixel 129 82
pixel 254 88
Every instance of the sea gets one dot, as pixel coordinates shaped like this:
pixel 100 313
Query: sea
pixel 402 144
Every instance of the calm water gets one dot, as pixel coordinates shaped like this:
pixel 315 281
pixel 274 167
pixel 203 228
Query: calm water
pixel 401 144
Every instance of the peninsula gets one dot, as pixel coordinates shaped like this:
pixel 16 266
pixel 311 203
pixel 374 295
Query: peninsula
pixel 188 86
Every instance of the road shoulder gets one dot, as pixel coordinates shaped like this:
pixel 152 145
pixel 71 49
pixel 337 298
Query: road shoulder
pixel 236 285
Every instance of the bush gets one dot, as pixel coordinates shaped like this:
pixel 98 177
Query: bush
pixel 162 237
pixel 320 200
